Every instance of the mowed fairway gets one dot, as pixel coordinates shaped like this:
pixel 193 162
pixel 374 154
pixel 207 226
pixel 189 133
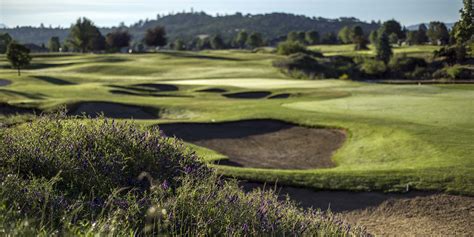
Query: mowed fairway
pixel 399 137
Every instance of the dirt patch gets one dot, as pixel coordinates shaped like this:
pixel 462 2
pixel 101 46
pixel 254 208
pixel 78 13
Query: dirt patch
pixel 159 87
pixel 249 95
pixel 7 109
pixel 409 214
pixel 4 82
pixel 113 110
pixel 213 90
pixel 263 143
pixel 280 96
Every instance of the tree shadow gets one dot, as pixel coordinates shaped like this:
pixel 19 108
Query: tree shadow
pixel 36 96
pixel 197 56
pixel 226 130
pixel 54 80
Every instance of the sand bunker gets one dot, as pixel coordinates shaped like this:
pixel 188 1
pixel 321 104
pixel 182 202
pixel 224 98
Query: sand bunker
pixel 409 214
pixel 4 82
pixel 159 87
pixel 249 95
pixel 113 110
pixel 263 143
pixel 280 96
pixel 213 90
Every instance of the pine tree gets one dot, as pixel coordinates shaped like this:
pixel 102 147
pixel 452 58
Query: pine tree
pixel 384 49
pixel 464 29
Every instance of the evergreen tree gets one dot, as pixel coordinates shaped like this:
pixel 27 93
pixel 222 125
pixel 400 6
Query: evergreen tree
pixel 5 40
pixel 358 38
pixel 438 33
pixel 255 40
pixel 179 45
pixel 421 37
pixel 344 35
pixel 217 42
pixel 373 37
pixel 393 27
pixel 54 44
pixel 383 48
pixel 393 38
pixel 241 39
pixel 312 37
pixel 463 30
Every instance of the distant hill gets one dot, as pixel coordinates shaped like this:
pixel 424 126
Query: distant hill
pixel 3 26
pixel 415 27
pixel 189 25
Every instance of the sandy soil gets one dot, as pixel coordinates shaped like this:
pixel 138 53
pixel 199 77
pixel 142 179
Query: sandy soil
pixel 4 82
pixel 409 214
pixel 112 110
pixel 263 143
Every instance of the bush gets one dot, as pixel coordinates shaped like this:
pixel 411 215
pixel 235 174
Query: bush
pixel 297 61
pixel 290 47
pixel 453 54
pixel 374 68
pixel 459 72
pixel 86 152
pixel 66 177
pixel 406 64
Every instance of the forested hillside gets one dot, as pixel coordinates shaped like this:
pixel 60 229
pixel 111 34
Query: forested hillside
pixel 190 25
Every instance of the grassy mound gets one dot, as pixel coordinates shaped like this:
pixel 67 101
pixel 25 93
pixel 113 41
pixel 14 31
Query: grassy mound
pixel 67 176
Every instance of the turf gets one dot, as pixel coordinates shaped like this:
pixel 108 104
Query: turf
pixel 400 136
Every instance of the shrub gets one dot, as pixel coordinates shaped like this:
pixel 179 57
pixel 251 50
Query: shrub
pixel 373 67
pixel 406 64
pixel 290 47
pixel 453 54
pixel 297 61
pixel 67 177
pixel 92 156
pixel 458 72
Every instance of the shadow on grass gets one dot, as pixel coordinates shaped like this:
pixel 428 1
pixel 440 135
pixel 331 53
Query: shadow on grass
pixel 54 80
pixel 197 56
pixel 113 110
pixel 123 92
pixel 36 96
pixel 7 109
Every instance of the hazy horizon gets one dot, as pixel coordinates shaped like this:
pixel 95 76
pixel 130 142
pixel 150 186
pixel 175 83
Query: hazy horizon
pixel 111 13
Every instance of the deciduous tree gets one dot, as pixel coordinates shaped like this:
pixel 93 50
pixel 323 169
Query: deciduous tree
pixel 84 36
pixel 18 56
pixel 156 37
pixel 118 39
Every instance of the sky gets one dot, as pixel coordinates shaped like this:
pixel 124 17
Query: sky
pixel 112 12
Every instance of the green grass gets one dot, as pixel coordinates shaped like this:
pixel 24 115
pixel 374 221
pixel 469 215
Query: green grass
pixel 410 135
pixel 348 50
